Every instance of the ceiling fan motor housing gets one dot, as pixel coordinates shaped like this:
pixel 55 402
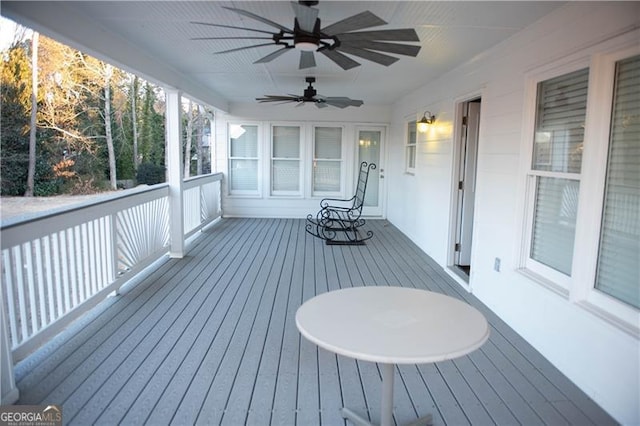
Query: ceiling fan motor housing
pixel 310 92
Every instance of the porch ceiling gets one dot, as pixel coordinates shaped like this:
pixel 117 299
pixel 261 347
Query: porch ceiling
pixel 153 38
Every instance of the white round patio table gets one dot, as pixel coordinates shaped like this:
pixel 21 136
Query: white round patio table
pixel 391 325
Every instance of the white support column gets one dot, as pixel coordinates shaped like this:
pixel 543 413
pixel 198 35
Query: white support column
pixel 174 171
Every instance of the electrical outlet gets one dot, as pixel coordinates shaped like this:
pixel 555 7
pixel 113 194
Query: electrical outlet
pixel 496 264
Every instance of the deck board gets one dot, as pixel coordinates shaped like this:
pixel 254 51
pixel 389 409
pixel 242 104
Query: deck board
pixel 211 339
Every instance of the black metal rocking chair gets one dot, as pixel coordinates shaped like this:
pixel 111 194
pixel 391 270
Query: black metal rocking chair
pixel 339 220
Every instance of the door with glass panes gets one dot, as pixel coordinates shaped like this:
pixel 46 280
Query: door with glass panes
pixel 370 148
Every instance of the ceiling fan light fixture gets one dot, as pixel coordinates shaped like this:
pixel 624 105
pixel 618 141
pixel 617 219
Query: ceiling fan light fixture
pixel 305 43
pixel 306 46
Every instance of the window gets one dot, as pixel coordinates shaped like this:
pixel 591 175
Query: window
pixel 243 159
pixel 285 160
pixel 327 160
pixel 555 170
pixel 410 165
pixel 618 274
pixel 582 237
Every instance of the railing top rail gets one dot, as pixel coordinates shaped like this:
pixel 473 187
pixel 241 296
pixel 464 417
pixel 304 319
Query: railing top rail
pixel 152 191
pixel 198 180
pixel 210 176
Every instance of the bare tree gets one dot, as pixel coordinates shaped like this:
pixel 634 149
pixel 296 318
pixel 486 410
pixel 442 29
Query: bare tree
pixel 34 112
pixel 134 120
pixel 199 137
pixel 108 73
pixel 189 137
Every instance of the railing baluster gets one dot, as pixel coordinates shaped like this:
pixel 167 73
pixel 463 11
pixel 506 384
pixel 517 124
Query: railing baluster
pixel 32 307
pixel 22 312
pixel 112 238
pixel 92 257
pixel 49 277
pixel 64 270
pixel 9 268
pixel 55 267
pixel 99 248
pixel 40 279
pixel 84 247
pixel 78 260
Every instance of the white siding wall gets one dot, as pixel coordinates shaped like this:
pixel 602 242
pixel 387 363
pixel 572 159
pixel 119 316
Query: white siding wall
pixel 600 358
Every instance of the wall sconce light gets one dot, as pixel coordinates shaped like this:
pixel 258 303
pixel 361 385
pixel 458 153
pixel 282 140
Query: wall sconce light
pixel 424 122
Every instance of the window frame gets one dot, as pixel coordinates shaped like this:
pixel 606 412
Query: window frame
pixel 588 242
pixel 300 159
pixel 545 275
pixel 580 288
pixel 322 194
pixel 240 192
pixel 410 146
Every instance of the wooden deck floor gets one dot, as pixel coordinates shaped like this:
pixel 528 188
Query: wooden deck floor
pixel 211 339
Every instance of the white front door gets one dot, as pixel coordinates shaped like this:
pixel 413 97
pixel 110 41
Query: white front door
pixel 370 143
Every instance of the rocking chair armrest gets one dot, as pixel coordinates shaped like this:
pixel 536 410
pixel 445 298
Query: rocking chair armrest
pixel 325 202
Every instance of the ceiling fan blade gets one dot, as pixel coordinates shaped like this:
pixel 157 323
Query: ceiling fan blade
pixel 243 48
pixel 305 15
pixel 271 56
pixel 378 58
pixel 345 62
pixel 362 20
pixel 400 49
pixel 258 18
pixel 343 102
pixel 321 104
pixel 405 34
pixel 307 60
pixel 231 38
pixel 276 98
pixel 231 26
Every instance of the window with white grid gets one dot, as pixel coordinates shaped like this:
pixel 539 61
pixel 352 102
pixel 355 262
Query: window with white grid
pixel 327 161
pixel 243 159
pixel 285 160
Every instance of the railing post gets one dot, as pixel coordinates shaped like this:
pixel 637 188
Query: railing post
pixel 174 171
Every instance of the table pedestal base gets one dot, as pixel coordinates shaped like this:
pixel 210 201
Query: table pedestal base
pixel 386 403
pixel 358 420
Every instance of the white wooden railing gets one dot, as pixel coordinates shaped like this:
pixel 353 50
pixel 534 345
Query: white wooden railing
pixel 55 266
pixel 201 201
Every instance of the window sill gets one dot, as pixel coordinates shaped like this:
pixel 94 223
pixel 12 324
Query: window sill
pixel 627 327
pixel 544 282
pixel 286 196
pixel 252 196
